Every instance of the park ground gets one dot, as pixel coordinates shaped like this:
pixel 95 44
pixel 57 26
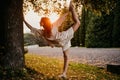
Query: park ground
pixel 85 63
pixel 45 63
pixel 94 56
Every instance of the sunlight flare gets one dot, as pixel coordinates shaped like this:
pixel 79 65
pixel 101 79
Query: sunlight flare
pixel 67 3
pixel 53 17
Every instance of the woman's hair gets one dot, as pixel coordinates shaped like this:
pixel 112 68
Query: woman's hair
pixel 46 21
pixel 47 25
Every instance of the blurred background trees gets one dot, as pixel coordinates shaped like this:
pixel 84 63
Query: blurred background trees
pixel 99 20
pixel 99 23
pixel 102 25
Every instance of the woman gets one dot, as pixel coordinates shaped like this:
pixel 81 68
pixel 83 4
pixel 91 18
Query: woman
pixel 52 35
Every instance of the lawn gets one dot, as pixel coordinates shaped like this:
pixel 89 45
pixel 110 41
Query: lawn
pixel 45 68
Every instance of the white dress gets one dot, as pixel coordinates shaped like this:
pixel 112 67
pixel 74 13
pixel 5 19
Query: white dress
pixel 63 38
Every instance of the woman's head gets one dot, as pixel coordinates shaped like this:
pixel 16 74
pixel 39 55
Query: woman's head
pixel 45 22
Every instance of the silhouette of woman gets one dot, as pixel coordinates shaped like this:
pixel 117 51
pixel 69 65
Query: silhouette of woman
pixel 51 34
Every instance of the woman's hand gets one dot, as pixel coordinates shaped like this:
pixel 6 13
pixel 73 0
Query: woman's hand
pixel 71 7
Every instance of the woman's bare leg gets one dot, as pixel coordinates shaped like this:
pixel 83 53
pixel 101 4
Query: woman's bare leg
pixel 65 66
pixel 65 55
pixel 75 18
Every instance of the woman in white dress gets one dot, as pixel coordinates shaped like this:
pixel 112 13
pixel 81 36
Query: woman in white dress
pixel 51 34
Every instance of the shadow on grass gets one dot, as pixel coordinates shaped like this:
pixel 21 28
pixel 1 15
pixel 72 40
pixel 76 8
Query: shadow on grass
pixel 23 74
pixel 19 74
pixel 40 76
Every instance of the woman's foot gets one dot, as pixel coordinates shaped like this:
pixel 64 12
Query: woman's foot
pixel 62 76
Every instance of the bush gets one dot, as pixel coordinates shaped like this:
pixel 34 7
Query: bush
pixel 99 31
pixel 30 39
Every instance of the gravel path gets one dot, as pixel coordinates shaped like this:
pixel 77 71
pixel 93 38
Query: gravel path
pixel 94 56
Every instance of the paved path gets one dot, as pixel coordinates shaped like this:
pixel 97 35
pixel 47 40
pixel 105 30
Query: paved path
pixel 94 56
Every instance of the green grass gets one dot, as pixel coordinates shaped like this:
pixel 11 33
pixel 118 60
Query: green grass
pixel 50 68
pixel 45 68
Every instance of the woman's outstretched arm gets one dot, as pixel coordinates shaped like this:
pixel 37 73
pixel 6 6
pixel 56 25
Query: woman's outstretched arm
pixel 35 31
pixel 74 17
pixel 28 25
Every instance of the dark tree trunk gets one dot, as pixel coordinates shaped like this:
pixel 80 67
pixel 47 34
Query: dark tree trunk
pixel 12 29
pixel 116 27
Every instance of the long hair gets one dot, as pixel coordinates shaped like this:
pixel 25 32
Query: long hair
pixel 47 26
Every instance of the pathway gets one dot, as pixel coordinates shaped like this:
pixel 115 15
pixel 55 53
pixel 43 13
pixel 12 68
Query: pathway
pixel 93 56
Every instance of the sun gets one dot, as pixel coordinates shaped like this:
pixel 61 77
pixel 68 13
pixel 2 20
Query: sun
pixel 53 17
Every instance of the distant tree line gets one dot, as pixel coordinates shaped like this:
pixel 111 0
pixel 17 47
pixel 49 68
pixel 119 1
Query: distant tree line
pixel 30 39
pixel 99 30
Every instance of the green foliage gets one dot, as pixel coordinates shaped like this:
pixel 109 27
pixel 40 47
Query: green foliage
pixel 116 27
pixel 44 6
pixel 102 31
pixel 82 30
pixel 29 39
pixel 99 31
pixel 76 39
pixel 98 6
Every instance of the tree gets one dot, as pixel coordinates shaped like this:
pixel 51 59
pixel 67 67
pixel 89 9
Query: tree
pixel 46 7
pixel 99 30
pixel 11 42
pixel 103 30
pixel 116 27
pixel 84 23
pixel 98 6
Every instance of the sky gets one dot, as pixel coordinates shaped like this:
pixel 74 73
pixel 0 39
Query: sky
pixel 33 19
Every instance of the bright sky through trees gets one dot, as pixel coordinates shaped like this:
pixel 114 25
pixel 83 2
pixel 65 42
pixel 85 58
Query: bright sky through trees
pixel 33 18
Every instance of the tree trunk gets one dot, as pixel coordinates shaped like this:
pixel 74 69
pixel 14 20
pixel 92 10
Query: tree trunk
pixel 116 27
pixel 12 56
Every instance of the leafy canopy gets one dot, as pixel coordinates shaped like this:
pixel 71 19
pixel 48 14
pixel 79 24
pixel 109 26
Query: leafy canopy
pixel 45 6
pixel 99 5
pixel 59 6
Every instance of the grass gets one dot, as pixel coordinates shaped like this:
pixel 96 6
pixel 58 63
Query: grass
pixel 45 68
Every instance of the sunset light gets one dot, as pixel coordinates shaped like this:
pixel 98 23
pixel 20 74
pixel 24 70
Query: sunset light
pixel 53 17
pixel 33 17
pixel 67 3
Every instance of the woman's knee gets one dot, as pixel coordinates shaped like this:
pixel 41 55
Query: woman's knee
pixel 65 53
